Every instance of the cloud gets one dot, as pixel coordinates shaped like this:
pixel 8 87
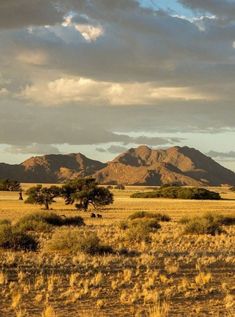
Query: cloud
pixel 114 149
pixel 23 124
pixel 23 13
pixel 223 9
pixel 151 141
pixel 163 73
pixel 35 148
pixel 100 149
pixel 32 57
pixel 222 155
pixel 85 90
pixel 3 91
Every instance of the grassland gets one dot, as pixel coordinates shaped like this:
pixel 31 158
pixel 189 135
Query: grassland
pixel 172 274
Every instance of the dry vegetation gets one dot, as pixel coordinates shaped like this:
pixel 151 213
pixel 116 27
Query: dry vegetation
pixel 101 270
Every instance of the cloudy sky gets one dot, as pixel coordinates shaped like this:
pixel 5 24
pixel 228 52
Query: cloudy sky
pixel 100 76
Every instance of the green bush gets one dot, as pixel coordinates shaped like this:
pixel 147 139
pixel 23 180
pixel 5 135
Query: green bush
pixel 12 238
pixel 180 193
pixel 145 214
pixel 44 221
pixel 74 240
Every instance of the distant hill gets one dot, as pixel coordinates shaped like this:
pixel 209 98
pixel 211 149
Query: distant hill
pixel 137 166
pixel 51 168
pixel 181 165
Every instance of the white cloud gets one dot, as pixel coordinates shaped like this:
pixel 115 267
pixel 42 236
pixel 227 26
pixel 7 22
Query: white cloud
pixel 33 57
pixel 34 148
pixel 88 91
pixel 90 32
pixel 4 92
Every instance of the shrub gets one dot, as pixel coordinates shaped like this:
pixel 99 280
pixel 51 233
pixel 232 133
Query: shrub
pixel 90 243
pixel 120 187
pixel 5 222
pixel 151 224
pixel 75 240
pixel 220 219
pixel 145 214
pixel 123 225
pixel 33 225
pixel 40 222
pixel 44 221
pixel 180 193
pixel 184 220
pixel 140 229
pixel 138 233
pixel 202 226
pixel 208 224
pixel 227 221
pixel 73 221
pixel 12 238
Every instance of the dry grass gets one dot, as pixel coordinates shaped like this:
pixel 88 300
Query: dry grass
pixel 169 275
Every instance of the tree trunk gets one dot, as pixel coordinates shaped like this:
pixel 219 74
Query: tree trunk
pixel 46 205
pixel 20 196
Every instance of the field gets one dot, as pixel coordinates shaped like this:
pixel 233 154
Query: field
pixel 172 274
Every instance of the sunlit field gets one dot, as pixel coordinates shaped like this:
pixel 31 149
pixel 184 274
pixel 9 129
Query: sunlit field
pixel 168 274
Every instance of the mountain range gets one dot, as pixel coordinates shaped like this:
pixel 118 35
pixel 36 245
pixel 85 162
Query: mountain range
pixel 136 166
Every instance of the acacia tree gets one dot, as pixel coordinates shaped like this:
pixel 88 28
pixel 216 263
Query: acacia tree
pixel 86 191
pixel 9 185
pixel 42 195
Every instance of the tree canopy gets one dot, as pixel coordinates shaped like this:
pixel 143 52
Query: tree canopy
pixel 9 185
pixel 180 193
pixel 86 191
pixel 42 195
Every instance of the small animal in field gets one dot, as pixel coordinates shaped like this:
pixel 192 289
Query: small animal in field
pixel 93 215
pixel 99 216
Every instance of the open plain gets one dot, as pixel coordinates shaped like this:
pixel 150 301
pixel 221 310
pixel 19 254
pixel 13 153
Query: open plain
pixel 171 274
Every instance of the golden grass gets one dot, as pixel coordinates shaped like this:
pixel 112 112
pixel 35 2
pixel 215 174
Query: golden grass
pixel 172 275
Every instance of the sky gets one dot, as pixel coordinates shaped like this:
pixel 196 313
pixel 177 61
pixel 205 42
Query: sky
pixel 101 76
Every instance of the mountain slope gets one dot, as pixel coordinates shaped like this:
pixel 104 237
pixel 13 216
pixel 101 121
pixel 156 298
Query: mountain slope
pixel 137 166
pixel 181 165
pixel 51 168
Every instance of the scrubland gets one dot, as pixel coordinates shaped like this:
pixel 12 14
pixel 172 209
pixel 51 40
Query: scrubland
pixel 163 272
